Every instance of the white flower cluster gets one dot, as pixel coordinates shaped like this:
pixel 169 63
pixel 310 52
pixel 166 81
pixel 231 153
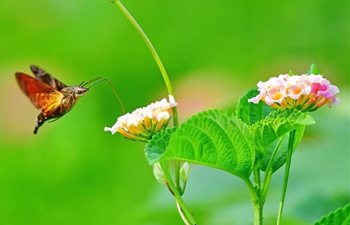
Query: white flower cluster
pixel 142 123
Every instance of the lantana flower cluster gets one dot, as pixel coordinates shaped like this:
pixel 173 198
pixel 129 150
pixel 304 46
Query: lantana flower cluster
pixel 303 92
pixel 143 123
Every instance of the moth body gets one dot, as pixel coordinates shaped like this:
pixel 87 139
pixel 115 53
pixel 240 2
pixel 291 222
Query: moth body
pixel 51 96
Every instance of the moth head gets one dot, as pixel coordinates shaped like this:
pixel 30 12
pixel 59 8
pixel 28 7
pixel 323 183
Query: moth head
pixel 80 91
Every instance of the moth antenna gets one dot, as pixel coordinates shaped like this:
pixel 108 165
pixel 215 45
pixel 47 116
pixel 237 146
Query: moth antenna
pixel 83 84
pixel 110 84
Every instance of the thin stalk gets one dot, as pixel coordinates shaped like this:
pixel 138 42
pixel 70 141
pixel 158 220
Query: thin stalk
pixel 286 174
pixel 162 70
pixel 185 214
pixel 258 219
pixel 183 217
pixel 154 53
pixel 148 43
pixel 177 176
pixel 268 171
pixel 175 188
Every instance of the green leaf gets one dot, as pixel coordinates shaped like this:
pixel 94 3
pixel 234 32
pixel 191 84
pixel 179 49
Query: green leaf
pixel 313 70
pixel 156 147
pixel 249 112
pixel 280 158
pixel 277 124
pixel 216 139
pixel 339 217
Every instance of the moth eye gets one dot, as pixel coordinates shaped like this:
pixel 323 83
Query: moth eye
pixel 79 92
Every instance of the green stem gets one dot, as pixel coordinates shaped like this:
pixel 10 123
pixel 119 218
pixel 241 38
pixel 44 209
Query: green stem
pixel 258 219
pixel 162 70
pixel 176 188
pixel 258 209
pixel 154 53
pixel 268 171
pixel 183 217
pixel 256 172
pixel 286 173
pixel 148 43
pixel 177 176
pixel 185 214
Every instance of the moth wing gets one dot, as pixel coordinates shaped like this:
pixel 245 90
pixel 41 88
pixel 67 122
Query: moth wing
pixel 40 94
pixel 41 75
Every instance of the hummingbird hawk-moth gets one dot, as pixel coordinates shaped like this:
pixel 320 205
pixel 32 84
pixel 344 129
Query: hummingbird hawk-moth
pixel 48 94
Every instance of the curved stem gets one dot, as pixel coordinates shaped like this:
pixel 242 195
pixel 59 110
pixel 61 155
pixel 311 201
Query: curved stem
pixel 162 70
pixel 258 219
pixel 183 217
pixel 148 43
pixel 175 188
pixel 154 53
pixel 286 174
pixel 185 214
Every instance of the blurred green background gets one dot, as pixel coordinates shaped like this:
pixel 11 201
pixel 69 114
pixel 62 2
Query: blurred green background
pixel 72 172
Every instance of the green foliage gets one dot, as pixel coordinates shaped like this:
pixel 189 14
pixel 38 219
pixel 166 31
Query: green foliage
pixel 251 113
pixel 272 132
pixel 277 124
pixel 155 148
pixel 277 151
pixel 74 173
pixel 213 138
pixel 313 70
pixel 275 129
pixel 339 217
pixel 221 140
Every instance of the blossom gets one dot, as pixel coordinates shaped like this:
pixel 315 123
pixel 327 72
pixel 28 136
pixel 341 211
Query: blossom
pixel 144 122
pixel 303 92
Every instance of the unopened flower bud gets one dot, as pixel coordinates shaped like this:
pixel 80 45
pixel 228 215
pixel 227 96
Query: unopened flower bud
pixel 185 170
pixel 159 173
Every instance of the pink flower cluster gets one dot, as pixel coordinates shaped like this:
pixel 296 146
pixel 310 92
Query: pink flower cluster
pixel 304 92
pixel 144 122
